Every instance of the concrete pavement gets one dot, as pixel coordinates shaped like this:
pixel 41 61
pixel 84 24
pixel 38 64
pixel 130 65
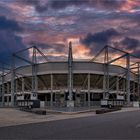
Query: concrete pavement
pixel 11 116
pixel 120 125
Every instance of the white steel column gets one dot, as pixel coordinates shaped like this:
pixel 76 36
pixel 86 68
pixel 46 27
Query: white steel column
pixel 13 83
pixel 34 76
pixel 70 77
pixel 128 78
pixel 3 90
pixel 51 90
pixel 23 84
pixel 8 91
pixel 138 91
pixel 124 87
pixel 16 86
pixel 106 75
pixel 88 89
pixel 117 85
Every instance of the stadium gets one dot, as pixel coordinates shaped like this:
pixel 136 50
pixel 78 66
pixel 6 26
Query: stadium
pixel 71 83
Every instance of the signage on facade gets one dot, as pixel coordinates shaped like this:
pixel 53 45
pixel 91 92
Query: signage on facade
pixel 120 97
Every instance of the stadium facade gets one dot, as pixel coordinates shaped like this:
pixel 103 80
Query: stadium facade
pixel 71 82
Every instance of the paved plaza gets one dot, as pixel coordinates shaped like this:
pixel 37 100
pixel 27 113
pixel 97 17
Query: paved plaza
pixel 124 124
pixel 11 116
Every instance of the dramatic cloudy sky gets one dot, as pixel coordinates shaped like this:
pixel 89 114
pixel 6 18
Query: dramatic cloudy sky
pixel 51 24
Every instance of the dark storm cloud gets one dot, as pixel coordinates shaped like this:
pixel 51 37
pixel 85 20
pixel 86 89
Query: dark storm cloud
pixel 121 5
pixel 106 21
pixel 5 11
pixel 8 24
pixel 102 37
pixel 38 4
pixel 9 41
pixel 136 53
pixel 41 6
pixel 130 43
pixel 30 2
pixel 58 4
pixel 97 41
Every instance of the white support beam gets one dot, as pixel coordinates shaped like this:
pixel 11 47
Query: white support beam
pixel 34 76
pixel 106 75
pixel 3 89
pixel 93 59
pixel 124 85
pixel 51 90
pixel 88 89
pixel 116 59
pixel 16 85
pixel 42 54
pixel 23 84
pixel 70 76
pixel 23 59
pixel 117 84
pixel 8 88
pixel 138 81
pixel 128 79
pixel 13 82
